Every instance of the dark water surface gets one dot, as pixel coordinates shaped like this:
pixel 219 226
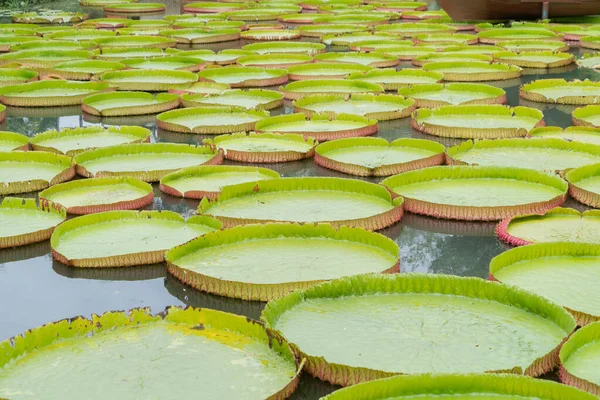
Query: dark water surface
pixel 34 289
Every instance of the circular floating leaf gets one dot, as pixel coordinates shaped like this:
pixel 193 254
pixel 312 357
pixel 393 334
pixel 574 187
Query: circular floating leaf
pixel 29 171
pixel 105 23
pixel 270 34
pixel 407 53
pixel 278 60
pixel 488 121
pixel 134 8
pixel 14 76
pixel 201 35
pixel 154 80
pixel 351 38
pixel 146 162
pixel 263 147
pixel 260 14
pixel 50 93
pixel 579 358
pixel 80 35
pixel 391 79
pixel 72 141
pixel 422 15
pixel 381 107
pixel 398 6
pixel 437 94
pixel 375 45
pixel 468 386
pixel 165 63
pixel 311 254
pixel 82 70
pixel 376 60
pixel 250 99
pixel 587 116
pixel 564 273
pixel 324 70
pixel 13 141
pixel 212 7
pixel 480 49
pixel 286 47
pixel 321 127
pixel 534 59
pixel 494 36
pixel 590 42
pixel 589 61
pixel 206 88
pixel 556 225
pixel 61 17
pixel 44 58
pixel 358 19
pixel 10 42
pixel 451 57
pixel 100 194
pixel 337 201
pixel 301 89
pixel 341 327
pixel 412 29
pixel 319 31
pixel 239 77
pixel 207 181
pixel 477 193
pixel 474 71
pixel 24 222
pixel 210 120
pixel 119 53
pixel 572 133
pixel 456 38
pixel 136 41
pixel 584 184
pixel 533 45
pixel 129 103
pixel 561 91
pixel 377 157
pixel 224 57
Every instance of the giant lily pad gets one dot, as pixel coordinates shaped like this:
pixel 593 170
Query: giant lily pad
pixel 587 116
pixel 136 41
pixel 474 71
pixel 207 181
pixel 391 79
pixel 377 60
pixel 456 38
pixel 277 60
pixel 30 171
pixel 494 36
pixel 477 121
pixel 71 141
pixel 13 141
pixel 561 91
pixel 541 154
pixel 564 273
pixel 239 77
pixel 381 107
pixel 119 53
pixel 480 49
pixel 100 194
pixel 149 79
pixel 534 59
pixel 477 193
pixel 286 47
pixel 134 8
pixel 412 29
pixel 407 53
pixel 399 6
pixel 147 162
pixel 201 35
pixel 143 339
pixel 572 133
pixel 584 184
pixel 82 70
pixel 334 200
pixel 210 120
pixel 325 71
pixel 557 225
pixel 14 76
pixel 579 358
pixel 342 327
pixel 80 35
pixel 319 126
pixel 351 38
pixel 205 88
pixel 165 63
pixel 378 44
pixel 448 56
pixel 263 147
pixel 44 58
pixel 212 7
pixel 224 57
pixel 260 13
pixel 300 89
pixel 250 99
pixel 377 157
pixel 270 34
pixel 129 103
pixel 436 94
pixel 61 17
pixel 319 31
pixel 15 43
pixel 246 261
pixel 464 386
pixel 590 42
pixel 24 222
pixel 50 93
pixel 533 45
pixel 589 61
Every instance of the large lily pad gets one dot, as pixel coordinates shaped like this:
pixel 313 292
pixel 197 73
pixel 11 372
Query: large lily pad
pixel 212 7
pixel 590 42
pixel 477 193
pixel 535 59
pixel 44 58
pixel 589 61
pixel 474 71
pixel 437 94
pixel 22 172
pixel 82 70
pixel 561 91
pixel 206 88
pixel 224 57
pixel 572 133
pixel 481 49
pixel 447 56
pixel 533 45
pixel 119 53
pixel 136 41
pixel 494 36
pixel 587 116
pixel 343 327
pixel 407 53
pixel 263 147
pixel 319 126
pixel 100 194
pixel 378 157
pixel 377 44
pixel 246 261
pixel 319 31
pixel 207 181
pixel 24 222
pixel 412 29
pixel 456 38
pixel 477 121
pixel 79 35
pixel 334 200
pixel 149 79
pixel 584 184
pixel 129 103
pixel 270 34
pixel 239 77
pixel 60 17
pixel 564 273
pixel 325 71
pixel 210 120
pixel 124 238
pixel 391 79
pixel 50 93
pixel 13 141
pixel 377 60
pixel 248 99
pixel 286 47
pixel 303 88
pixel 277 60
pixel 147 162
pixel 380 107
pixel 579 358
pixel 10 42
pixel 201 35
pixel 541 154
pixel 165 63
pixel 13 76
pixel 134 8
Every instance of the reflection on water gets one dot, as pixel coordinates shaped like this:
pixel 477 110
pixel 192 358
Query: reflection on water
pixel 139 273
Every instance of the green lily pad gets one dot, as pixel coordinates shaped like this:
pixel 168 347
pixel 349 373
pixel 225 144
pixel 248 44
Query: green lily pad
pixel 398 6
pixel 587 116
pixel 579 357
pixel 480 49
pixel 105 23
pixel 13 141
pixel 533 45
pixel 50 93
pixel 46 44
pixel 391 79
pixel 378 157
pixel 494 36
pixel 412 29
pixel 72 141
pixel 201 35
pixel 311 253
pixel 358 19
pixel 456 38
pixel 319 31
pixel 337 201
pixel 584 184
pixel 474 71
pixel 381 107
pixel 407 53
pixel 270 34
pixel 350 38
pixel 206 88
pixel 250 99
pixel 437 94
pixel 374 45
pixel 134 8
pixel 561 91
pixel 210 120
pixel 261 13
pixel 62 17
pixel 24 222
pixel 277 60
pixel 209 180
pixel 377 60
pixel 424 15
pixel 245 76
pixel 286 47
pixel 572 133
pixel 82 70
pixel 44 58
pixel 119 53
pixel 589 42
pixel 321 127
pixel 87 346
pixel 80 35
pixel 158 42
pixel 447 56
pixel 164 63
pixel 490 121
pixel 16 43
pixel 212 7
pixel 303 88
pixel 102 3
pixel 13 76
pixel 343 327
pixel 129 103
pixel 146 162
pixel 157 80
pixel 324 70
pixel 22 172
pixel 224 57
pixel 477 193
pixel 589 61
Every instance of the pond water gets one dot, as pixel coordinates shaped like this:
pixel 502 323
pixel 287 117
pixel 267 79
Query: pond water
pixel 34 289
